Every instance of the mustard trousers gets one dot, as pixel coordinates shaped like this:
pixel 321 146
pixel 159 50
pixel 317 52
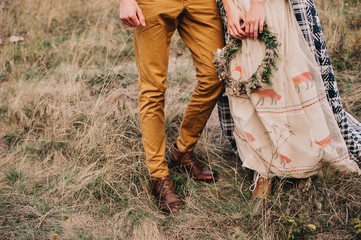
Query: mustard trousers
pixel 199 25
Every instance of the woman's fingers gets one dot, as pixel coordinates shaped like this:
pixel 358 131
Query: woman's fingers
pixel 255 30
pixel 251 30
pixel 247 29
pixel 255 20
pixel 261 24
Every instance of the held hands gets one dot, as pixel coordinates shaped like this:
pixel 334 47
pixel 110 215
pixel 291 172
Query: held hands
pixel 255 19
pixel 252 23
pixel 234 18
pixel 130 13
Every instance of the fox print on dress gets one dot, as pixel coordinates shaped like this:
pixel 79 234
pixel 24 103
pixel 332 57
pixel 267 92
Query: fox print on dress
pixel 250 137
pixel 303 77
pixel 264 93
pixel 238 69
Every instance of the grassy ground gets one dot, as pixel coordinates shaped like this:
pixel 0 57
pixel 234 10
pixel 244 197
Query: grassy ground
pixel 72 164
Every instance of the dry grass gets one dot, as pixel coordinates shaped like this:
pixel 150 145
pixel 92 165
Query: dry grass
pixel 72 164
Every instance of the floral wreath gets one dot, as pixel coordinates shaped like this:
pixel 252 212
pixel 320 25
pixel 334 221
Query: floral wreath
pixel 258 79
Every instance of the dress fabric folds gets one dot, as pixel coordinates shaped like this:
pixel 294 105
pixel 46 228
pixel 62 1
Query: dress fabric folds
pixel 287 129
pixel 307 18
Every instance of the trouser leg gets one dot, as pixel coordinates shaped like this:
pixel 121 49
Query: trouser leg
pixel 201 30
pixel 151 44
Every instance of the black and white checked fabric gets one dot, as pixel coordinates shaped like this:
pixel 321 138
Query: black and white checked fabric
pixel 308 20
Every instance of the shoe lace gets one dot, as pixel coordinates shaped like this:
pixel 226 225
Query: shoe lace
pixel 167 187
pixel 255 181
pixel 191 159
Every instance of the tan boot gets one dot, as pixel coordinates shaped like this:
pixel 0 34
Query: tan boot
pixel 164 191
pixel 304 184
pixel 263 187
pixel 190 163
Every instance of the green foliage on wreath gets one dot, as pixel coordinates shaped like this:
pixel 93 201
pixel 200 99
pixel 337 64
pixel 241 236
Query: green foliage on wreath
pixel 258 79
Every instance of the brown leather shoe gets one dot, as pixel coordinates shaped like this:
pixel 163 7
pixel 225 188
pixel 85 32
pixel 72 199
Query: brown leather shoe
pixel 164 191
pixel 190 163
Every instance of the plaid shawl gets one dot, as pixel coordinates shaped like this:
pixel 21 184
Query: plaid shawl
pixel 308 20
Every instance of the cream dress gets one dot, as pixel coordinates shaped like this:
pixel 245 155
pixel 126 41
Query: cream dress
pixel 287 130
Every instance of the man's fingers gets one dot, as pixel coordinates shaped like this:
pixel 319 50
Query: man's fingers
pixel 238 30
pixel 134 20
pixel 131 22
pixel 126 22
pixel 241 33
pixel 234 33
pixel 140 16
pixel 230 31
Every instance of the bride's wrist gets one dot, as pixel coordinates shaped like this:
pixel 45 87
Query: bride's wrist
pixel 258 2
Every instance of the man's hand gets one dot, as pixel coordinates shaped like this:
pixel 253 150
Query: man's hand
pixel 255 19
pixel 234 18
pixel 130 13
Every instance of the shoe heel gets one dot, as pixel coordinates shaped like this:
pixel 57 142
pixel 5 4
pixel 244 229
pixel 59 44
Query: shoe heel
pixel 174 167
pixel 171 165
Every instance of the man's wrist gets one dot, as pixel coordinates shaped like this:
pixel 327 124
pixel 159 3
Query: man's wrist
pixel 228 4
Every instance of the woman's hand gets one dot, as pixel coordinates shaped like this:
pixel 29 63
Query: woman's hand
pixel 234 18
pixel 255 19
